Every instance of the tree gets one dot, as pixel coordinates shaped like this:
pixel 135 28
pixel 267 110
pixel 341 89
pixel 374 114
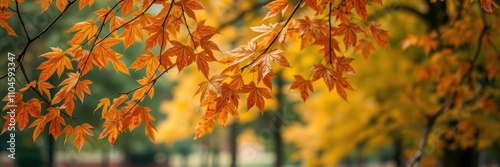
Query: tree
pixel 176 38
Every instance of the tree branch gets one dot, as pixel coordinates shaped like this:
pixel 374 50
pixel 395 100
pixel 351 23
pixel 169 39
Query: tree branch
pixel 432 119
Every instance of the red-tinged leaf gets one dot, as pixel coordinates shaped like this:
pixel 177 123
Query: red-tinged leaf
pixel 111 130
pixel 61 4
pixel 349 32
pixel 344 65
pixel 131 33
pixel 32 84
pixel 203 127
pixel 4 16
pixel 275 7
pixel 303 85
pixel 44 88
pixel 365 47
pixel 213 84
pixel 4 4
pixel 68 130
pixel 222 116
pixel 84 30
pixel 265 60
pixel 80 135
pixel 202 62
pixel 488 5
pixel 57 62
pixel 147 60
pixel 360 6
pixel 328 74
pixel 39 125
pixel 256 96
pixel 45 4
pixel 185 54
pixel 378 34
pixel 83 3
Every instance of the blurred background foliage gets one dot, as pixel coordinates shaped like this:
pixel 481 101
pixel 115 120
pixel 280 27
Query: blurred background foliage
pixel 379 125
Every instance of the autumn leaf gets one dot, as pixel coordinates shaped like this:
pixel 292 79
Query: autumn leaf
pixel 38 124
pixel 256 96
pixel 84 30
pixel 202 62
pixel 303 85
pixel 131 33
pixel 147 60
pixel 126 6
pixel 264 61
pixel 213 84
pixel 26 109
pixel 488 5
pixel 190 6
pixel 73 81
pixel 185 54
pixel 365 47
pixel 360 6
pixel 44 88
pixel 157 36
pixel 3 17
pixel 343 65
pixel 54 116
pixel 275 7
pixel 57 62
pixel 349 32
pixel 80 135
pixel 146 87
pixel 146 117
pixel 111 130
pixel 83 3
pixel 332 79
pixel 3 5
pixel 378 34
pixel 32 84
pixel 45 4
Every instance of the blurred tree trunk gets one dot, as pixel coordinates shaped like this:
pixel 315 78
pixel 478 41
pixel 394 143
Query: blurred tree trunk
pixel 462 158
pixel 233 135
pixel 278 122
pixel 51 151
pixel 398 152
pixel 105 157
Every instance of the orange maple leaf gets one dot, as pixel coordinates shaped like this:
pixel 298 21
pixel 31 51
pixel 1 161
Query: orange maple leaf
pixel 349 32
pixel 80 135
pixel 57 62
pixel 303 85
pixel 275 7
pixel 256 96
pixel 202 62
pixel 185 54
pixel 378 34
pixel 85 30
pixel 265 60
pixel 360 6
pixel 213 84
pixel 131 33
pixel 3 17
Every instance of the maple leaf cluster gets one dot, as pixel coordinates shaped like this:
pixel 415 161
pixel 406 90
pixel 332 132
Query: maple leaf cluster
pixel 336 27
